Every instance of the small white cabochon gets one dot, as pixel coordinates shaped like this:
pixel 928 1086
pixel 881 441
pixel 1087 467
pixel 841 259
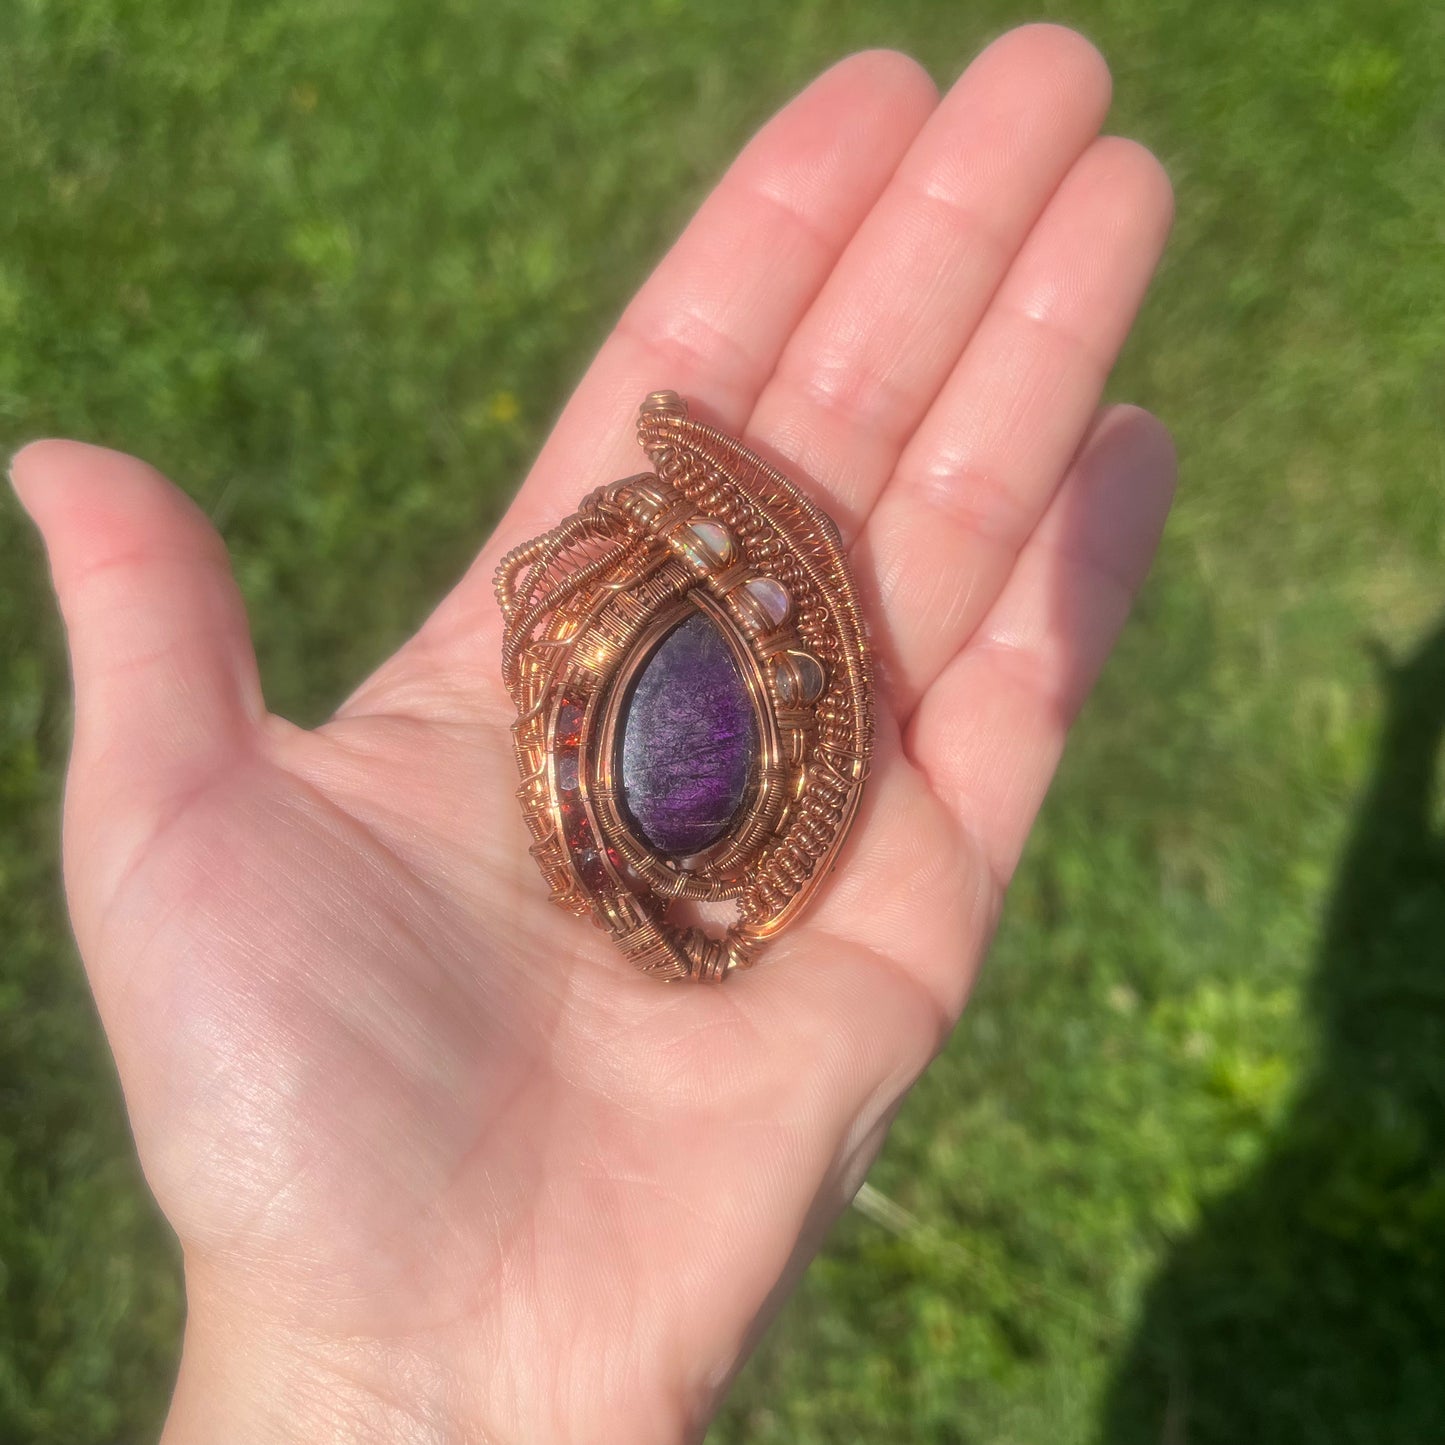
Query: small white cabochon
pixel 771 597
pixel 713 538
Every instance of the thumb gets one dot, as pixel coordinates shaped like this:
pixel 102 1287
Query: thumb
pixel 166 689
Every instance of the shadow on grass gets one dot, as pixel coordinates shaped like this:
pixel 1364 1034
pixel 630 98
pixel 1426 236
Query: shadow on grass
pixel 1310 1303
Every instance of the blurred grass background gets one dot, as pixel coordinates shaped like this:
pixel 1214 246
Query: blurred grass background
pixel 334 264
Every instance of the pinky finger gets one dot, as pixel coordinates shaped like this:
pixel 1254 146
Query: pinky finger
pixel 989 732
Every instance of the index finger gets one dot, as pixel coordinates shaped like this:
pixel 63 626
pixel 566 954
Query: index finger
pixel 714 316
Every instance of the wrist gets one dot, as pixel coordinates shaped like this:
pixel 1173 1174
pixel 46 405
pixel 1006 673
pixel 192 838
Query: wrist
pixel 254 1373
pixel 252 1376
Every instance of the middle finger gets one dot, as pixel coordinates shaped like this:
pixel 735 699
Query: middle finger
pixel 874 348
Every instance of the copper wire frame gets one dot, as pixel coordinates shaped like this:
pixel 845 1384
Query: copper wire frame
pixel 584 607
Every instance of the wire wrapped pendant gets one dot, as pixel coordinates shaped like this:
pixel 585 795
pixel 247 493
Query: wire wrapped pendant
pixel 693 690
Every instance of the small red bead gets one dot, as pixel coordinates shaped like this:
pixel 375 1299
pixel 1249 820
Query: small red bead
pixel 568 732
pixel 575 826
pixel 590 868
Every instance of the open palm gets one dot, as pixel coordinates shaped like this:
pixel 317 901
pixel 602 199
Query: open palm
pixel 443 1168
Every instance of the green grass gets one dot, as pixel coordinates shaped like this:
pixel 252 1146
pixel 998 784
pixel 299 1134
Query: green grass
pixel 335 264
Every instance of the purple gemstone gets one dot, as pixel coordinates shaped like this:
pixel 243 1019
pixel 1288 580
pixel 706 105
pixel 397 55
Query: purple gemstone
pixel 689 741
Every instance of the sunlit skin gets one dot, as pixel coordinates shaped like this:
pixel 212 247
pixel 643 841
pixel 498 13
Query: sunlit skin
pixel 442 1167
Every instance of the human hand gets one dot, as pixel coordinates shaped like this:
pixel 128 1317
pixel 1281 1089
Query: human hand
pixel 442 1167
